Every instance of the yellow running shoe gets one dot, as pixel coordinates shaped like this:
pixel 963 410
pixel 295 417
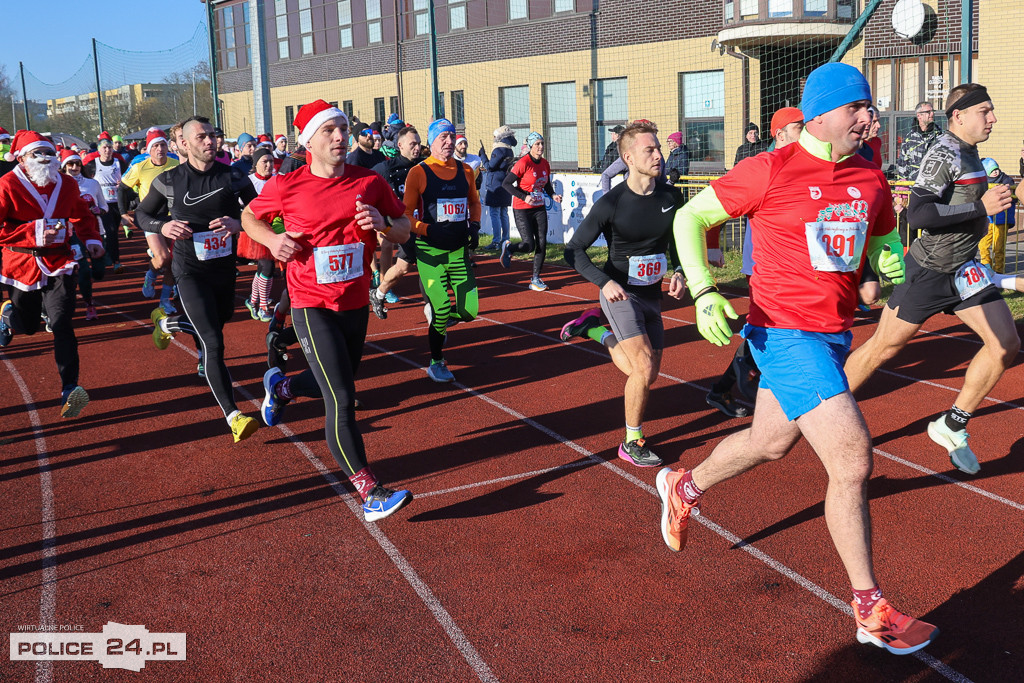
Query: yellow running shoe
pixel 242 427
pixel 160 338
pixel 889 628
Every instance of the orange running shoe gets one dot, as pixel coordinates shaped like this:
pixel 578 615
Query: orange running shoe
pixel 896 632
pixel 674 510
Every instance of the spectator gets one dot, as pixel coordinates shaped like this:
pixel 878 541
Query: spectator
pixel 752 144
pixel 611 152
pixel 871 147
pixel 365 154
pixel 678 162
pixel 246 146
pixel 993 245
pixel 917 142
pixel 496 198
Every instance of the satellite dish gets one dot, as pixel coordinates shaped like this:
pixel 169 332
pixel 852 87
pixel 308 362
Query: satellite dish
pixel 908 18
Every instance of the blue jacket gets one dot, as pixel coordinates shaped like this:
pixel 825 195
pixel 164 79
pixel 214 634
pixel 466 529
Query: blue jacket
pixel 496 168
pixel 1008 217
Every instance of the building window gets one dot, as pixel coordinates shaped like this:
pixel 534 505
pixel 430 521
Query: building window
pixel 394 104
pixel 289 118
pixel 440 106
pixel 306 26
pixel 421 16
pixel 378 110
pixel 844 9
pixel 565 6
pixel 281 19
pixel 345 23
pixel 514 110
pixel 780 8
pixel 815 8
pixel 458 108
pixel 611 108
pixel 518 9
pixel 346 106
pixel 456 16
pixel 750 9
pixel 702 117
pixel 560 125
pixel 232 22
pixel 374 31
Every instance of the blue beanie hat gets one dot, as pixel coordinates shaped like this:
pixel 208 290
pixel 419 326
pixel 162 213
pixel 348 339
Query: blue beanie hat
pixel 832 85
pixel 437 127
pixel 990 165
pixel 533 138
pixel 244 138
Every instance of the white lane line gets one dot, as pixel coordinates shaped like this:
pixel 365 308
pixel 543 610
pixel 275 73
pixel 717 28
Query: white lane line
pixel 734 540
pixel 48 584
pixel 586 348
pixel 500 480
pixel 947 388
pixel 432 603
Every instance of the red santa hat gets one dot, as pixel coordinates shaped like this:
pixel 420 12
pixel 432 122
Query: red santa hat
pixel 314 115
pixel 25 141
pixel 264 141
pixel 459 138
pixel 105 136
pixel 153 136
pixel 4 135
pixel 276 140
pixel 67 155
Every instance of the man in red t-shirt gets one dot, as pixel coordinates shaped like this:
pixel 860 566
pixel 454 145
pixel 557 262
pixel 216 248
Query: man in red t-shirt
pixel 332 212
pixel 817 209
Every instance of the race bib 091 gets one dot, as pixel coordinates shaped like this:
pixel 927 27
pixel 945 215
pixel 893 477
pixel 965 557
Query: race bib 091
pixel 836 246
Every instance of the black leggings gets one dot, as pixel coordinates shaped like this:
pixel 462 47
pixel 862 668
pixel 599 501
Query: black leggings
pixel 208 300
pixel 532 225
pixel 112 240
pixel 58 299
pixel 333 344
pixel 89 269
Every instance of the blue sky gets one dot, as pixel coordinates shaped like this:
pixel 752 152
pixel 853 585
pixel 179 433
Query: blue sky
pixel 125 24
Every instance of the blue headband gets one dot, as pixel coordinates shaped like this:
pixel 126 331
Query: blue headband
pixel 831 86
pixel 437 127
pixel 533 138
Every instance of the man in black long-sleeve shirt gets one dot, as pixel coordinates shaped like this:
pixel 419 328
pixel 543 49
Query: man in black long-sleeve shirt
pixel 949 203
pixel 196 205
pixel 635 218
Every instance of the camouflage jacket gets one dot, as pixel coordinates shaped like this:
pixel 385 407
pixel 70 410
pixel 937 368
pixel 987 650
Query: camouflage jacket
pixel 908 161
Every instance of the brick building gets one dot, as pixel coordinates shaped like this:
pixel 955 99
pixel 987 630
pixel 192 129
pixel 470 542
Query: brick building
pixel 573 68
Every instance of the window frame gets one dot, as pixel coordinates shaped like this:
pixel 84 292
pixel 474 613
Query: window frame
pixel 684 122
pixel 549 125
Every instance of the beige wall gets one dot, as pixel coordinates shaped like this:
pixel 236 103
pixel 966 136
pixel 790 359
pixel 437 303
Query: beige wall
pixel 1000 25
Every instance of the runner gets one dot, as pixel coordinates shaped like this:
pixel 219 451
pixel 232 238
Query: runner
pixel 441 192
pixel 196 204
pixel 258 302
pixel 395 170
pixel 786 125
pixel 636 219
pixel 529 182
pixel 950 202
pixel 107 169
pixel 89 269
pixel 332 213
pixel 133 189
pixel 39 209
pixel 817 209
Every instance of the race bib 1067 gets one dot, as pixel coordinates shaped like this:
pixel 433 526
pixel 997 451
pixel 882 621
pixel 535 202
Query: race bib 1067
pixel 338 263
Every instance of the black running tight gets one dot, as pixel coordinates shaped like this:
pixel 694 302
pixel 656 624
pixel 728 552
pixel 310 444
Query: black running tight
pixel 532 225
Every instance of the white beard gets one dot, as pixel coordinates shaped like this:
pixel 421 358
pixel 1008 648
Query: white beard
pixel 41 173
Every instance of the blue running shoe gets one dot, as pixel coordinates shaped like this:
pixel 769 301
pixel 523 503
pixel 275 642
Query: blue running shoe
pixel 383 502
pixel 149 284
pixel 391 297
pixel 5 322
pixel 506 254
pixel 273 405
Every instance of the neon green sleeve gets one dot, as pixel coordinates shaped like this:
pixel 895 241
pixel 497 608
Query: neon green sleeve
pixel 689 229
pixel 877 242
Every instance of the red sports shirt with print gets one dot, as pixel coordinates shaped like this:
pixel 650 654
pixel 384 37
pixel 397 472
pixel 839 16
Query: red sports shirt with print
pixel 811 219
pixel 533 177
pixel 332 271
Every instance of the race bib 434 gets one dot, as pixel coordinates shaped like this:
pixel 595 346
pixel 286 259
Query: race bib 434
pixel 211 245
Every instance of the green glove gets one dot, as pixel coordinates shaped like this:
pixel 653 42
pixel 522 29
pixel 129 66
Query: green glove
pixel 712 308
pixel 891 265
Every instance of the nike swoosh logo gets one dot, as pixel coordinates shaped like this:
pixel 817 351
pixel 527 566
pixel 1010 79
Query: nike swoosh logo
pixel 192 201
pixel 667 209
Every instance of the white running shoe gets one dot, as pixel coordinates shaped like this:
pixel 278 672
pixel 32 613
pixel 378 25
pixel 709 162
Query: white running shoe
pixel 955 442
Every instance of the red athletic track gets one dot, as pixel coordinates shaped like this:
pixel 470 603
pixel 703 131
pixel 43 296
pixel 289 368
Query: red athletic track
pixel 531 553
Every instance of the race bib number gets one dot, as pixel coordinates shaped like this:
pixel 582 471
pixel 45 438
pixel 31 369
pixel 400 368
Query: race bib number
pixel 110 193
pixel 971 278
pixel 210 245
pixel 538 197
pixel 646 270
pixel 836 246
pixel 44 224
pixel 340 263
pixel 451 210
